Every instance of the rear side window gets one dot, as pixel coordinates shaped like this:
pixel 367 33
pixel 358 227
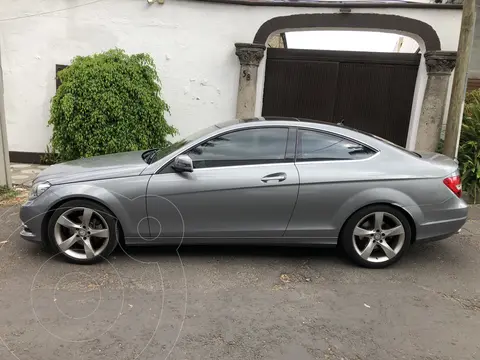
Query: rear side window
pixel 401 148
pixel 320 146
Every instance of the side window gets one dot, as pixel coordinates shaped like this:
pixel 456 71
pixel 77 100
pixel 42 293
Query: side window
pixel 242 147
pixel 319 146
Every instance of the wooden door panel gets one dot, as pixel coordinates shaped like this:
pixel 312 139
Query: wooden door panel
pixel 370 91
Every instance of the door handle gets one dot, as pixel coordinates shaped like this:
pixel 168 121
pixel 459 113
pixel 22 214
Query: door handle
pixel 277 176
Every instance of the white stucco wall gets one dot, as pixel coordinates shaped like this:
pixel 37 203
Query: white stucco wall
pixel 418 94
pixel 191 42
pixel 407 45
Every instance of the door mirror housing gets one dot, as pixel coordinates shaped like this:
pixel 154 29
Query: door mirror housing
pixel 183 163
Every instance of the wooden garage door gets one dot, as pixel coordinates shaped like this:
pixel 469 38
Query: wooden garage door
pixel 369 91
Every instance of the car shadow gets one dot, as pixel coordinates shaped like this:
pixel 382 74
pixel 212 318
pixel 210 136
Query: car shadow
pixel 148 253
pixel 418 255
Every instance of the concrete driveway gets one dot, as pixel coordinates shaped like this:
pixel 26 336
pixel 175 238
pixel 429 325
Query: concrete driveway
pixel 240 303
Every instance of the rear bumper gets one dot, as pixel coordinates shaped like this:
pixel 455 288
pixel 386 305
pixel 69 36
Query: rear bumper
pixel 440 231
pixel 443 220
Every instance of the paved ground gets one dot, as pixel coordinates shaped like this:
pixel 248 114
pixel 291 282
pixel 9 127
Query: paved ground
pixel 23 174
pixel 239 303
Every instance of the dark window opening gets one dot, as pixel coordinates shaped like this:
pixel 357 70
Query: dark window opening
pixel 319 146
pixel 57 69
pixel 242 147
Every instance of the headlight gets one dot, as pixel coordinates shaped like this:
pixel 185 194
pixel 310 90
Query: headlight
pixel 38 189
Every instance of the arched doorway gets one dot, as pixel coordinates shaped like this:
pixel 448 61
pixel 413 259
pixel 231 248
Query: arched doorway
pixel 369 91
pixel 432 67
pixel 422 32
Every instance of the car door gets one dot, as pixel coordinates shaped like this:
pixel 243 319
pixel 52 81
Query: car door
pixel 332 169
pixel 243 187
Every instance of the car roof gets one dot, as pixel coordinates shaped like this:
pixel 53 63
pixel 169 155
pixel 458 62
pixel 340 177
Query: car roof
pixel 293 120
pixel 336 129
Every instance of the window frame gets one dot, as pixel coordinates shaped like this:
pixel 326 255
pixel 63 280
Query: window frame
pixel 288 156
pixel 375 152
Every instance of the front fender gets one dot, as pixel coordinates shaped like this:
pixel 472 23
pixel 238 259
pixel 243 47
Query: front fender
pixel 125 198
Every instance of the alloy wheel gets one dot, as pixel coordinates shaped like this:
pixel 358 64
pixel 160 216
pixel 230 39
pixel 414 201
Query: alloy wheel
pixel 378 237
pixel 81 233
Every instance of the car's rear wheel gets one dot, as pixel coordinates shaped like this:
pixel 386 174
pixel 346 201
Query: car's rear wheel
pixel 83 231
pixel 376 236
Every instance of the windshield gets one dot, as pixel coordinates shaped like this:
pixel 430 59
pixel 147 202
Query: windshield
pixel 161 153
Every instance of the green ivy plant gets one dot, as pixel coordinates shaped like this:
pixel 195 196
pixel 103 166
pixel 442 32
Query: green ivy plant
pixel 50 157
pixel 106 103
pixel 469 147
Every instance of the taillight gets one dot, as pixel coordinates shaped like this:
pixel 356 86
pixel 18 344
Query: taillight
pixel 454 183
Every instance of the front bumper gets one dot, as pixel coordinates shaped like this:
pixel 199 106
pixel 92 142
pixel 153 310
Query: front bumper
pixel 28 235
pixel 32 215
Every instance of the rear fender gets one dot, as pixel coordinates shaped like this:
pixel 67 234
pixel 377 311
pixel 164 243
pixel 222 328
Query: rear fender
pixel 378 196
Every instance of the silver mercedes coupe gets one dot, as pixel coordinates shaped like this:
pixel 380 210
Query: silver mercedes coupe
pixel 261 181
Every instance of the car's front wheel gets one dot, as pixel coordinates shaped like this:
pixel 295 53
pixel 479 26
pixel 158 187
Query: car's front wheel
pixel 376 236
pixel 83 231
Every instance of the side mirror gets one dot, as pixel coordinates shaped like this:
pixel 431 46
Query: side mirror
pixel 183 163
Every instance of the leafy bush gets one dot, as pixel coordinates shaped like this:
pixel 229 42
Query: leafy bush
pixel 472 100
pixel 106 103
pixel 469 148
pixel 50 157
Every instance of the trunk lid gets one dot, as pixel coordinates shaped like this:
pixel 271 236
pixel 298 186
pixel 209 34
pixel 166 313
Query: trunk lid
pixel 439 160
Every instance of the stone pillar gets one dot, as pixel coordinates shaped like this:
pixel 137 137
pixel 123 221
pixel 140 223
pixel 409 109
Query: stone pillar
pixel 250 56
pixel 439 68
pixel 5 178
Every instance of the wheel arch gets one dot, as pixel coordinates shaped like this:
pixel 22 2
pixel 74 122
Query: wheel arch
pixel 56 205
pixel 405 212
pixel 380 196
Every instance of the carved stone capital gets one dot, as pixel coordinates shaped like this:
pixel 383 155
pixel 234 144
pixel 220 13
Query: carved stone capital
pixel 249 54
pixel 440 62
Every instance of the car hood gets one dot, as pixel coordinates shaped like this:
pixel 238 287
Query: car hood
pixel 95 168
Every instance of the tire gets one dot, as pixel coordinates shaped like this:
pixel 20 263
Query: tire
pixel 83 241
pixel 371 246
